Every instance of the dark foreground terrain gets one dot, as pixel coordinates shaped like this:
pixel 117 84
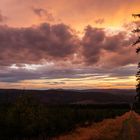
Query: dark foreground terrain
pixel 124 127
pixel 60 96
pixel 44 115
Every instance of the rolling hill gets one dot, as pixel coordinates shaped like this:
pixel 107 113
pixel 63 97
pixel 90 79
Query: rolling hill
pixel 60 96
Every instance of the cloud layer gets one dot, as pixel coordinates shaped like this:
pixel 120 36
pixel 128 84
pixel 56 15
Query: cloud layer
pixel 62 54
pixel 77 13
pixel 35 44
pixel 49 41
pixel 59 42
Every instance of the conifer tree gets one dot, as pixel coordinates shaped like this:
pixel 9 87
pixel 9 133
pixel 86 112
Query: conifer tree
pixel 136 43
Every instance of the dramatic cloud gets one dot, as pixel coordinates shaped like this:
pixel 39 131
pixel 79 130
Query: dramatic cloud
pixel 55 52
pixel 98 47
pixel 34 44
pixel 92 44
pixel 43 42
pixel 59 43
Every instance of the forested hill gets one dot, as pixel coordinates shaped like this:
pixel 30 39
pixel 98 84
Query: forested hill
pixel 60 96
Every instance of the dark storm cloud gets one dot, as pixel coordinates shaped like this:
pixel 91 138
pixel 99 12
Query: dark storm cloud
pixel 98 46
pixel 59 42
pixel 92 44
pixel 31 45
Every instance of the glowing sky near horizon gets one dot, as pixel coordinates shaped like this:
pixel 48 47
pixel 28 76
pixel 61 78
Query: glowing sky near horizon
pixel 67 44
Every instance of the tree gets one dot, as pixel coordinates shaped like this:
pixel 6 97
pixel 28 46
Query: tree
pixel 137 31
pixel 26 118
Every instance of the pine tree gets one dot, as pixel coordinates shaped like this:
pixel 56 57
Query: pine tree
pixel 137 31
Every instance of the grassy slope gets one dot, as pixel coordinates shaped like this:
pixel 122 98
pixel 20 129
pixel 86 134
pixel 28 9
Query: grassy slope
pixel 126 126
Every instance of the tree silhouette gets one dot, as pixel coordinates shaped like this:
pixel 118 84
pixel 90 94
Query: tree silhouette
pixel 137 31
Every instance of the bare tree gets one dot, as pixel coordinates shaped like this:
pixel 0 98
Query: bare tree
pixel 136 43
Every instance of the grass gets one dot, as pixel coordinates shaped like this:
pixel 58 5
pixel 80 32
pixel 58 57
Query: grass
pixel 120 128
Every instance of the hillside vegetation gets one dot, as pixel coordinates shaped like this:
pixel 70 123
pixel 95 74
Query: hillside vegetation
pixel 28 118
pixel 125 127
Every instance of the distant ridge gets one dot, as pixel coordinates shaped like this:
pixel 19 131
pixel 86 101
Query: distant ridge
pixel 72 96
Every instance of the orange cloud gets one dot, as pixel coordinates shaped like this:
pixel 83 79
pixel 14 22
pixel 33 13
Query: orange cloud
pixel 77 13
pixel 60 42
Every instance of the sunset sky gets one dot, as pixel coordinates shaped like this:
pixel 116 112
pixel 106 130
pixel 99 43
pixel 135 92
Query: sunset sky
pixel 78 44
